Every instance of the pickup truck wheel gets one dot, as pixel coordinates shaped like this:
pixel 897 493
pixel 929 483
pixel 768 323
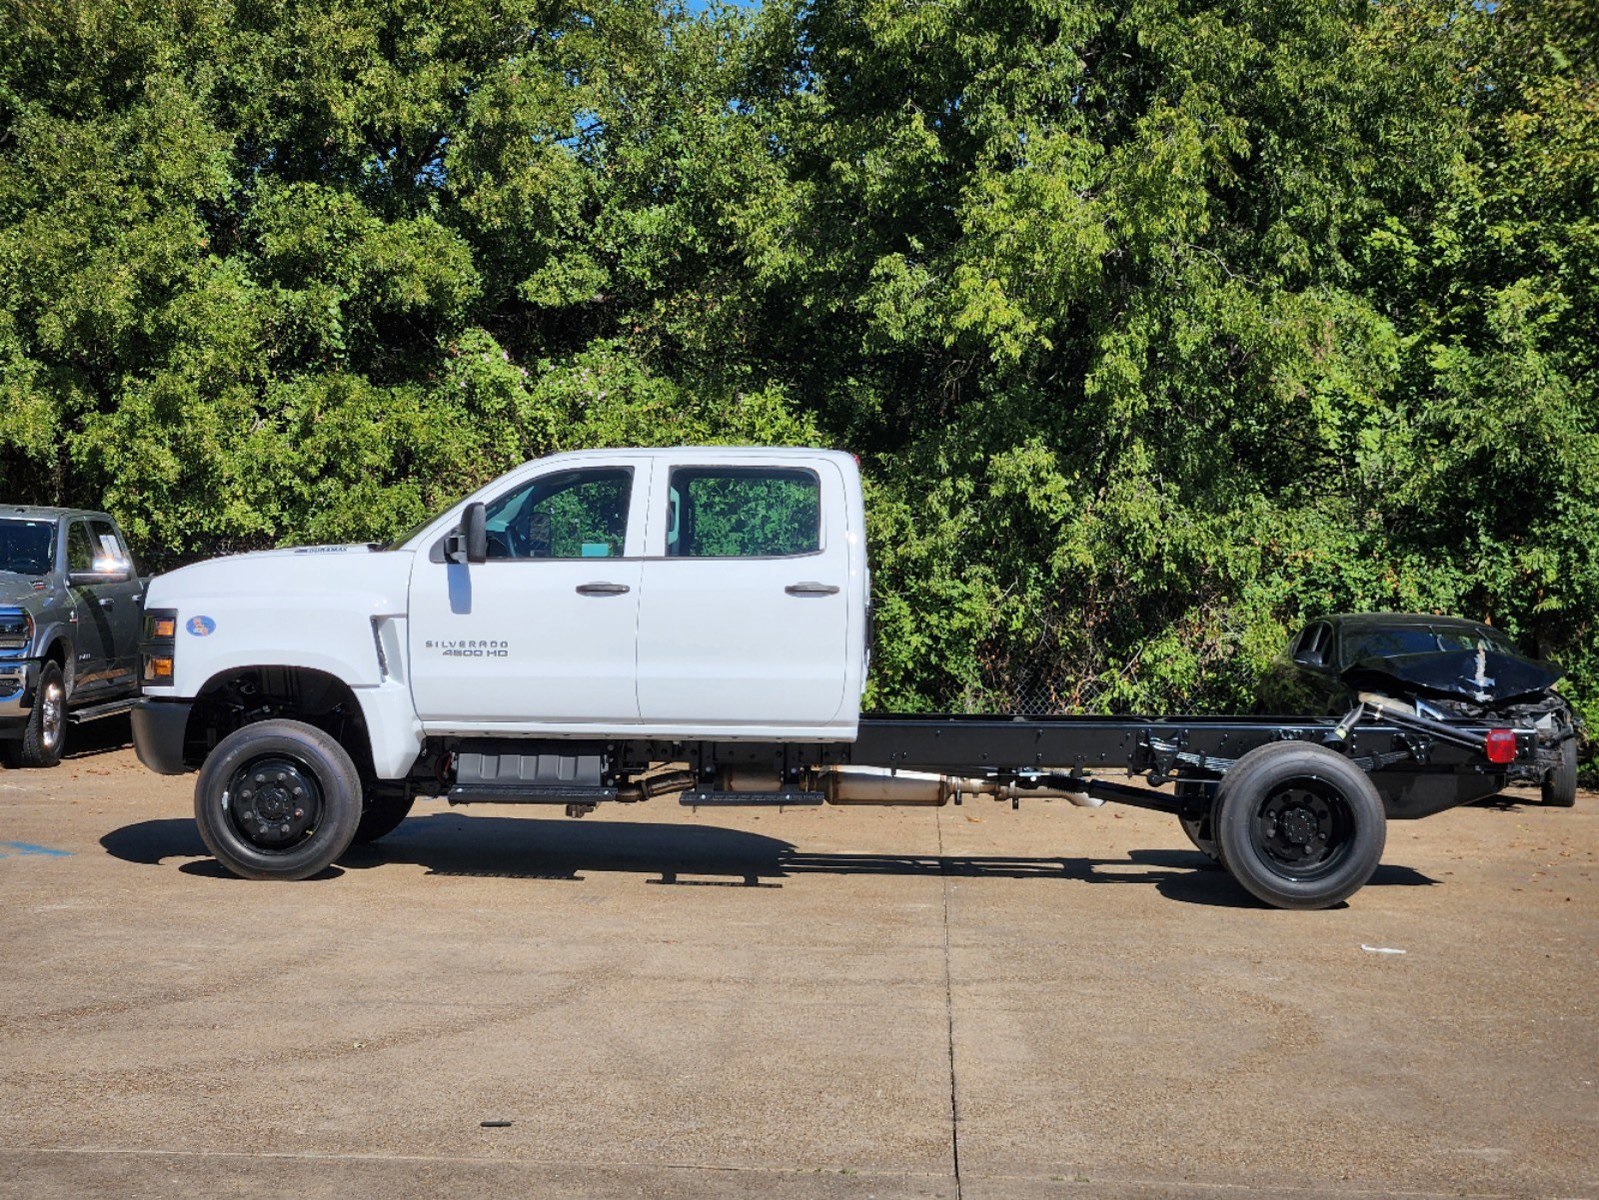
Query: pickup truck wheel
pixel 1560 785
pixel 1201 829
pixel 277 800
pixel 381 817
pixel 1299 825
pixel 45 736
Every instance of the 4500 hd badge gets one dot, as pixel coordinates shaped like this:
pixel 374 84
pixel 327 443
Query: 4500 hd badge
pixel 473 648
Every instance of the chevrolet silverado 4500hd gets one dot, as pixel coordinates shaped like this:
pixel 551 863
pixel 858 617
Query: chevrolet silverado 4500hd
pixel 613 625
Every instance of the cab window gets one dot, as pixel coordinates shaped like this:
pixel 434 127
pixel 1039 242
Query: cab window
pixel 80 550
pixel 743 512
pixel 575 514
pixel 109 552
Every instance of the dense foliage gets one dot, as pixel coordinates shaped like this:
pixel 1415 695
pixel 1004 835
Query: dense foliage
pixel 1159 325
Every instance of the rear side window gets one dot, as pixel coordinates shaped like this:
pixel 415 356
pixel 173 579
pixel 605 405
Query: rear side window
pixel 743 512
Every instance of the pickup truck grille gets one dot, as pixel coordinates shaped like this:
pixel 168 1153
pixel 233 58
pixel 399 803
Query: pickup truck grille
pixel 16 633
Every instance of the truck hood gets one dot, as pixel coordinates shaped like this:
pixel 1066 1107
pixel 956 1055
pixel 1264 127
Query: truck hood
pixel 21 590
pixel 1490 677
pixel 353 575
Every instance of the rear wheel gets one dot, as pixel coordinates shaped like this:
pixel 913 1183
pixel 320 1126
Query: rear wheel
pixel 1560 785
pixel 1299 825
pixel 277 800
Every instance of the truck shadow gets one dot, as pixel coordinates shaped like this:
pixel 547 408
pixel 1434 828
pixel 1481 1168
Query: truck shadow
pixel 454 844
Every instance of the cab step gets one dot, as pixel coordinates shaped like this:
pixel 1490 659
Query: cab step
pixel 95 712
pixel 528 794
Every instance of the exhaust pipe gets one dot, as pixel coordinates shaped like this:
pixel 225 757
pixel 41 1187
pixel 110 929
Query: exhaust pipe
pixel 880 785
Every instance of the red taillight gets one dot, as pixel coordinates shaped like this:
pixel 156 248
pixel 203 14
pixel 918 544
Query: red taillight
pixel 1500 745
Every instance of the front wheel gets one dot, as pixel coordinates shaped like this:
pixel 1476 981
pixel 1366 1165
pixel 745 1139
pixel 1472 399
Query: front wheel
pixel 44 738
pixel 277 800
pixel 1299 825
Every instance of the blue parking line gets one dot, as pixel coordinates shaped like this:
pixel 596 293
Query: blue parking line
pixel 30 848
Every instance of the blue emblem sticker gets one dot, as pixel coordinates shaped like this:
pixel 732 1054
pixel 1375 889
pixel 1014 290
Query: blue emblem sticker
pixel 201 626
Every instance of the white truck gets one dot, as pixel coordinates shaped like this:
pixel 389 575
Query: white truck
pixel 614 625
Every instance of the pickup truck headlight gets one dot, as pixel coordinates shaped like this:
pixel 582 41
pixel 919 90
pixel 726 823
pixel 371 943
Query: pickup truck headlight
pixel 16 631
pixel 160 643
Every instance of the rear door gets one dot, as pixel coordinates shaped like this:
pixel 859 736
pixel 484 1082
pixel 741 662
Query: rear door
pixel 745 615
pixel 544 634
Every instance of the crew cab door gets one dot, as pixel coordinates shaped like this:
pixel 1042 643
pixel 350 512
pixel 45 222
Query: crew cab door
pixel 745 614
pixel 545 633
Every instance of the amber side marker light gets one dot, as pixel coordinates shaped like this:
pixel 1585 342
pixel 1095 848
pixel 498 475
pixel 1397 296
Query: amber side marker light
pixel 157 670
pixel 164 627
pixel 1500 745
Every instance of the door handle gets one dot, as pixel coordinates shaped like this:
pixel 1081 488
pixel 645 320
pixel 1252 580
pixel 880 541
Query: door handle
pixel 811 589
pixel 107 602
pixel 602 589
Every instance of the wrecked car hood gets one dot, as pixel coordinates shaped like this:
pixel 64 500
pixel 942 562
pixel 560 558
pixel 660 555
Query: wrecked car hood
pixel 1484 676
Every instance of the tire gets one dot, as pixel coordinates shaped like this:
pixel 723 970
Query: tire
pixel 305 793
pixel 1200 830
pixel 44 738
pixel 381 817
pixel 1299 825
pixel 1560 785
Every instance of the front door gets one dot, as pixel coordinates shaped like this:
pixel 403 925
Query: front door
pixel 543 635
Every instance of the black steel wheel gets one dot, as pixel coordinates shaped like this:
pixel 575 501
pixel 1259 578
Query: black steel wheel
pixel 1299 825
pixel 277 800
pixel 381 816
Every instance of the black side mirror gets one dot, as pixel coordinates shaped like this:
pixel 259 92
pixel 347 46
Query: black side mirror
pixel 470 541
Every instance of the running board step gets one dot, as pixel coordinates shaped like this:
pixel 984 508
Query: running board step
pixel 95 711
pixel 750 799
pixel 529 794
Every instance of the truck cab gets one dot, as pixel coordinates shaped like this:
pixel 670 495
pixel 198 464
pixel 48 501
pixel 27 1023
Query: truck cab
pixel 709 592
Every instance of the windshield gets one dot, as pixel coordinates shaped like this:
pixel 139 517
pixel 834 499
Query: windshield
pixel 26 547
pixel 1385 643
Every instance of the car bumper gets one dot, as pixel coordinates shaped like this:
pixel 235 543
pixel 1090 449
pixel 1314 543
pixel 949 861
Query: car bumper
pixel 158 731
pixel 19 680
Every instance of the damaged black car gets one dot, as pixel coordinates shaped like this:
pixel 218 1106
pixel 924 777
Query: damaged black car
pixel 1442 666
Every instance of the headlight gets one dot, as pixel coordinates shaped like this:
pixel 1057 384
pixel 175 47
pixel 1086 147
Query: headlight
pixel 16 631
pixel 155 655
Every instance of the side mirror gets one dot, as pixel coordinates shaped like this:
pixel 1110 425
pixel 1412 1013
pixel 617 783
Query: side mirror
pixel 120 573
pixel 470 542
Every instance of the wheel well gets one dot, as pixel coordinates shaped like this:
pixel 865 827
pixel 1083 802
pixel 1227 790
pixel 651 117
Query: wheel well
pixel 243 696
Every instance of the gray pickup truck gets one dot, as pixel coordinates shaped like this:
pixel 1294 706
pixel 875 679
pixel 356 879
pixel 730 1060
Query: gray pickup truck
pixel 71 604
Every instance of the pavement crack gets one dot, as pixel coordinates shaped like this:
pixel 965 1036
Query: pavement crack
pixel 949 1020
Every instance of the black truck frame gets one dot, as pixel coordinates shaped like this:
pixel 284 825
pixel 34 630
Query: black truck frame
pixel 1295 808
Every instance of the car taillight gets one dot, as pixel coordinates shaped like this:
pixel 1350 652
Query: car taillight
pixel 1500 745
